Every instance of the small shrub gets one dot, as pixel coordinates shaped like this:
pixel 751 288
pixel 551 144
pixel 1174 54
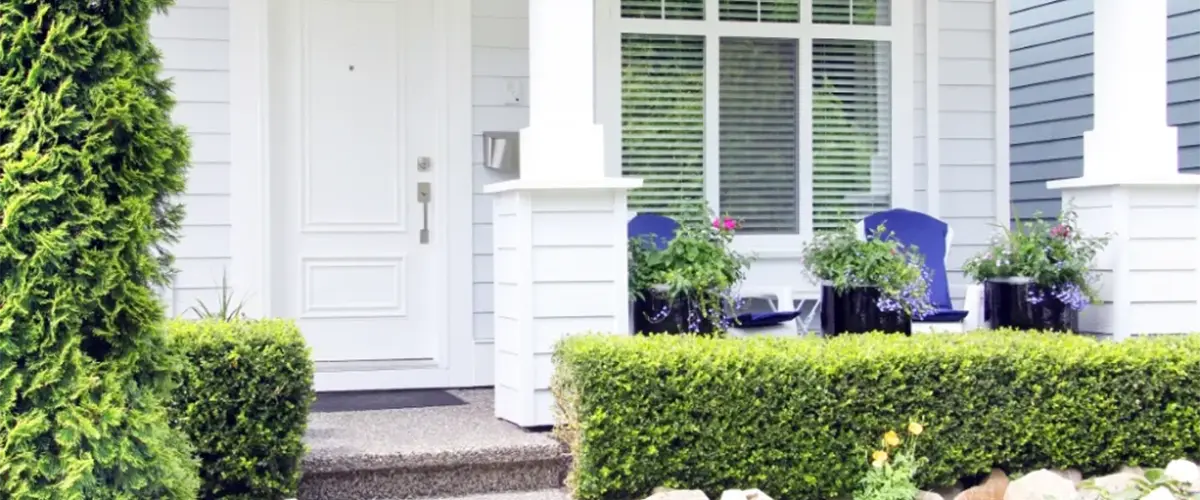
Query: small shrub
pixel 796 417
pixel 244 398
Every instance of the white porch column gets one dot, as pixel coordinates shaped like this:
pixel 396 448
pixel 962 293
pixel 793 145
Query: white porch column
pixel 1131 185
pixel 559 230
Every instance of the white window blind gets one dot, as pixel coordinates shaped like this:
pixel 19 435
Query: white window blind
pixel 767 11
pixel 663 9
pixel 742 157
pixel 662 122
pixel 851 130
pixel 868 12
pixel 759 124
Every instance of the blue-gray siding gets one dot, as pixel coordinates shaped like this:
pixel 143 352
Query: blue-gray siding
pixel 1051 93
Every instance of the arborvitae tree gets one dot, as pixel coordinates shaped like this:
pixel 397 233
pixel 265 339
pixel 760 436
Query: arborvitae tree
pixel 89 165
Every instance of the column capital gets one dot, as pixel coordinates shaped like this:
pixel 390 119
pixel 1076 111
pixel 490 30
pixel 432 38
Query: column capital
pixel 601 183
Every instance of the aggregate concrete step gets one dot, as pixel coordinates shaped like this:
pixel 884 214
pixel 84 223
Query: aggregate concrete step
pixel 451 451
pixel 524 495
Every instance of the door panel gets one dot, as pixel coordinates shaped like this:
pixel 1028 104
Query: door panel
pixel 355 109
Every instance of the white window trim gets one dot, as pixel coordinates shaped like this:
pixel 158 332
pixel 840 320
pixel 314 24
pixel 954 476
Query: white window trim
pixel 610 26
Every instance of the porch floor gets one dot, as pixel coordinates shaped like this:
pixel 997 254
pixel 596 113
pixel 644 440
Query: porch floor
pixel 429 452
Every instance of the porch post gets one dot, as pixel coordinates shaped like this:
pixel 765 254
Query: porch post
pixel 1131 186
pixel 559 229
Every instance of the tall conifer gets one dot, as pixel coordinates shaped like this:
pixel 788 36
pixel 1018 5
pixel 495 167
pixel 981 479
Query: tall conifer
pixel 90 164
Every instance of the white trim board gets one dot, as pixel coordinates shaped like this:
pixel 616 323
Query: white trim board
pixel 250 169
pixel 933 110
pixel 1003 172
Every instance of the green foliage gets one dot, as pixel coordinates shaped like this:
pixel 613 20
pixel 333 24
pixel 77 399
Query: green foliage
pixel 1142 486
pixel 225 310
pixel 845 261
pixel 244 399
pixel 699 265
pixel 796 417
pixel 894 466
pixel 1052 255
pixel 90 164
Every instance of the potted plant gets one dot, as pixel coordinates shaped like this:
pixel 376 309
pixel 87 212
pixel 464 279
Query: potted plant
pixel 867 284
pixel 688 286
pixel 1037 276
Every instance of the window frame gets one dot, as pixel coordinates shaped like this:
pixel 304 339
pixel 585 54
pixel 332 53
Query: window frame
pixel 899 34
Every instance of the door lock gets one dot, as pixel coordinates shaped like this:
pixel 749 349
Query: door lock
pixel 424 163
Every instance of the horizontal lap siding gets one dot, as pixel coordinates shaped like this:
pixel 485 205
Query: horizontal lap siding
pixel 194 39
pixel 967 119
pixel 500 69
pixel 1051 93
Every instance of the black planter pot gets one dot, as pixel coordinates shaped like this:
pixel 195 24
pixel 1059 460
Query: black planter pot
pixel 856 311
pixel 657 313
pixel 1007 305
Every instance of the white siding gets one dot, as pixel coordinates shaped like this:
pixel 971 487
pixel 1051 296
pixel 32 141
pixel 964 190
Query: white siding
pixel 500 64
pixel 194 39
pixel 967 102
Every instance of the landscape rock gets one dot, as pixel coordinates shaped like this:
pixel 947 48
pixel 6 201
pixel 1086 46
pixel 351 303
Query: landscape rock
pixel 669 494
pixel 1111 484
pixel 1133 470
pixel 928 495
pixel 1041 485
pixel 993 488
pixel 951 491
pixel 1185 472
pixel 733 495
pixel 1160 493
pixel 1074 475
pixel 756 494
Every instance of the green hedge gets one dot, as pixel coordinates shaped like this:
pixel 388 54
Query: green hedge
pixel 245 390
pixel 797 418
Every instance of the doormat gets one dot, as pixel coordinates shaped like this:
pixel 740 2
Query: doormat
pixel 330 402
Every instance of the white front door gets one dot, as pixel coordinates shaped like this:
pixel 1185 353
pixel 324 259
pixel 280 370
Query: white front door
pixel 359 240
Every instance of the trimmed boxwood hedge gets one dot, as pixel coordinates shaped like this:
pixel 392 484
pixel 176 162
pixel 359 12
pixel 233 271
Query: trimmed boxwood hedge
pixel 244 396
pixel 798 417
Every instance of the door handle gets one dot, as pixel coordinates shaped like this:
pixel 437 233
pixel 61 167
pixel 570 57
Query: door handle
pixel 424 193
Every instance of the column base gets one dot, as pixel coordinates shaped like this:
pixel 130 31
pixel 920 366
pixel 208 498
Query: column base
pixel 560 269
pixel 1150 270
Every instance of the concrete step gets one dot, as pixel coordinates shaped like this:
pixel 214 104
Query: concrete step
pixel 451 451
pixel 524 495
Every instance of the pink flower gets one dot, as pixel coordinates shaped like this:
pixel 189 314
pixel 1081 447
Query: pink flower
pixel 1060 231
pixel 725 223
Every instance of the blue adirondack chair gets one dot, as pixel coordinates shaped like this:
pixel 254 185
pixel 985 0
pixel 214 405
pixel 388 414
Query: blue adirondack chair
pixel 932 238
pixel 760 312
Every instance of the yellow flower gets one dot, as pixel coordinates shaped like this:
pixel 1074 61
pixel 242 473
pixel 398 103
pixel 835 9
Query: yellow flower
pixel 915 428
pixel 879 458
pixel 891 439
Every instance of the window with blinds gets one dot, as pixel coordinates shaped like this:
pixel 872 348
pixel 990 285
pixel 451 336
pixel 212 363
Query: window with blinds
pixel 868 12
pixel 663 9
pixel 662 122
pixel 765 11
pixel 851 130
pixel 759 126
pixel 756 82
